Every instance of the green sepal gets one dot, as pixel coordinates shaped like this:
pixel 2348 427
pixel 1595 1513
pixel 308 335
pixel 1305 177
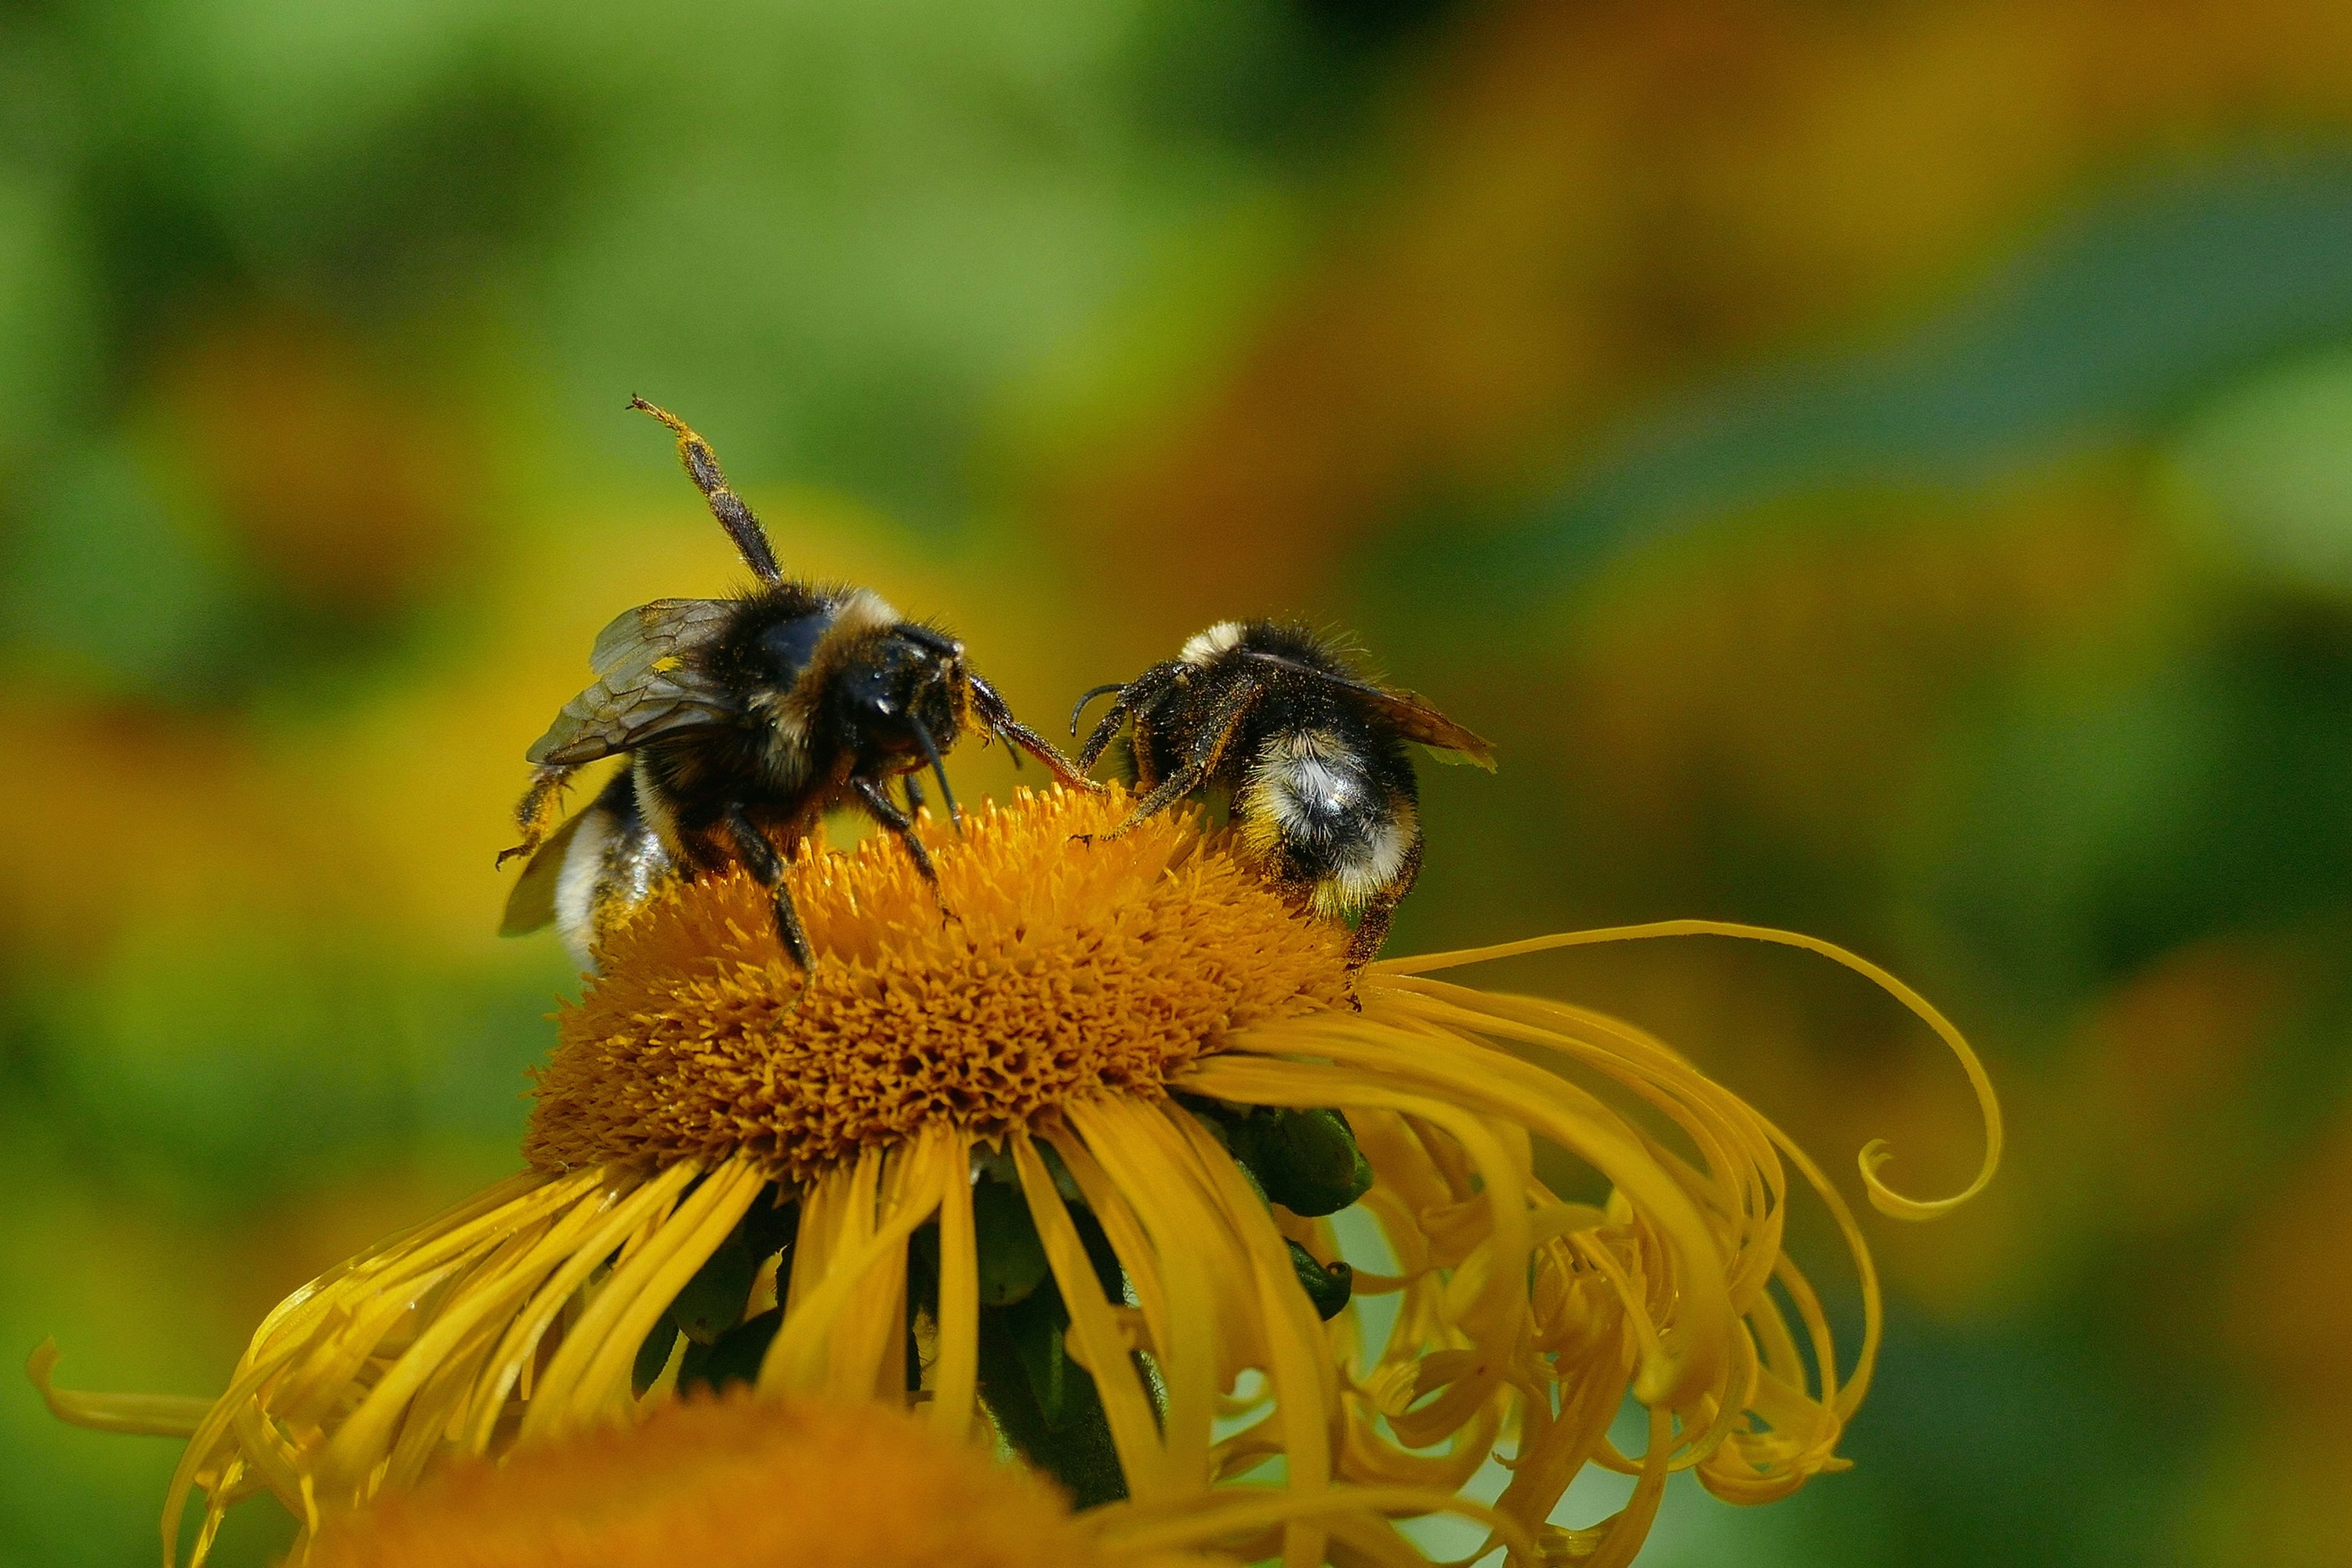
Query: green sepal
pixel 1044 1404
pixel 1011 1257
pixel 770 1224
pixel 734 1357
pixel 1038 1328
pixel 1035 1328
pixel 1327 1285
pixel 1306 1161
pixel 653 1353
pixel 712 1302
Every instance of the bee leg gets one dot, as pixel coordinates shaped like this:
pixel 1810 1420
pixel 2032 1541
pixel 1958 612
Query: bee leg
pixel 541 810
pixel 1103 733
pixel 766 868
pixel 882 809
pixel 1172 788
pixel 1372 930
pixel 914 794
pixel 1141 692
pixel 999 719
pixel 1206 754
pixel 702 468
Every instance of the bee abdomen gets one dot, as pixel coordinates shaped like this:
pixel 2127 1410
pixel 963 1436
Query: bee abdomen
pixel 1326 822
pixel 614 864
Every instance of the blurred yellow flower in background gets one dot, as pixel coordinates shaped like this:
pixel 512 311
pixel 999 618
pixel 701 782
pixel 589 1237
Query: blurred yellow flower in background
pixel 735 1482
pixel 1070 1153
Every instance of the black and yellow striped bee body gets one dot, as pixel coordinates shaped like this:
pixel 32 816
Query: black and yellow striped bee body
pixel 1313 757
pixel 742 722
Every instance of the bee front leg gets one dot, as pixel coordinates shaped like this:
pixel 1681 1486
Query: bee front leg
pixel 998 719
pixel 883 810
pixel 1135 696
pixel 1172 789
pixel 541 810
pixel 1207 752
pixel 766 868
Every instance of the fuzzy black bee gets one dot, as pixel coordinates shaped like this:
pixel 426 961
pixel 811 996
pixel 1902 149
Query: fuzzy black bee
pixel 1313 755
pixel 743 721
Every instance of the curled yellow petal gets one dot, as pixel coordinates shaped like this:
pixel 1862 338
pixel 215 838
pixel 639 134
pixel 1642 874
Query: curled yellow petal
pixel 141 1414
pixel 1875 1154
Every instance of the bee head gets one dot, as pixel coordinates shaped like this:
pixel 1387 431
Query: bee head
pixel 906 695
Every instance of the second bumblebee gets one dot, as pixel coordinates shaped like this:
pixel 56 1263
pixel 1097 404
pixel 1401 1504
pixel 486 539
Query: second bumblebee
pixel 1324 797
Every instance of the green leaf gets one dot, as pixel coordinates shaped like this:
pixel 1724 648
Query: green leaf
pixel 734 1358
pixel 1011 1257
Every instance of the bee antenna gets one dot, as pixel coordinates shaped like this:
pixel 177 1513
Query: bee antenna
pixel 939 768
pixel 1091 693
pixel 702 468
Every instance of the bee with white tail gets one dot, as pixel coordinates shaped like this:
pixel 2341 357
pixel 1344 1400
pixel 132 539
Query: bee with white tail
pixel 1324 798
pixel 741 722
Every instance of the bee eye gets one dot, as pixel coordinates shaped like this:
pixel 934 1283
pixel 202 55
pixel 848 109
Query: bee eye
pixel 870 692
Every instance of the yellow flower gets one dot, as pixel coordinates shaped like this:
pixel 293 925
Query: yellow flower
pixel 735 1482
pixel 731 1483
pixel 880 1181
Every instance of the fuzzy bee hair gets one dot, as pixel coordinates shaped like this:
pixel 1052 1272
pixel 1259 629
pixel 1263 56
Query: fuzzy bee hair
pixel 741 722
pixel 1314 755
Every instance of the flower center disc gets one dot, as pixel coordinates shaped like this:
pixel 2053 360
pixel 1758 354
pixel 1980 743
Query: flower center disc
pixel 1063 967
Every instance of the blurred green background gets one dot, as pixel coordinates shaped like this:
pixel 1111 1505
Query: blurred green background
pixel 1881 469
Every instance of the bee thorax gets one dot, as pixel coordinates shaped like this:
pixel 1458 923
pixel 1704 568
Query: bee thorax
pixel 784 737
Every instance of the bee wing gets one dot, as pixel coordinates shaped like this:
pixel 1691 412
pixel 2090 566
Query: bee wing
pixel 1415 718
pixel 646 685
pixel 650 631
pixel 1417 721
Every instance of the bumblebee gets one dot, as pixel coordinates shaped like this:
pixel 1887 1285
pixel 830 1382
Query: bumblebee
pixel 1311 755
pixel 742 722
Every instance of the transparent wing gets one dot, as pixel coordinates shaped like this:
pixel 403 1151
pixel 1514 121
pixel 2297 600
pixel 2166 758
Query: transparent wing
pixel 646 685
pixel 531 904
pixel 1416 721
pixel 1410 712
